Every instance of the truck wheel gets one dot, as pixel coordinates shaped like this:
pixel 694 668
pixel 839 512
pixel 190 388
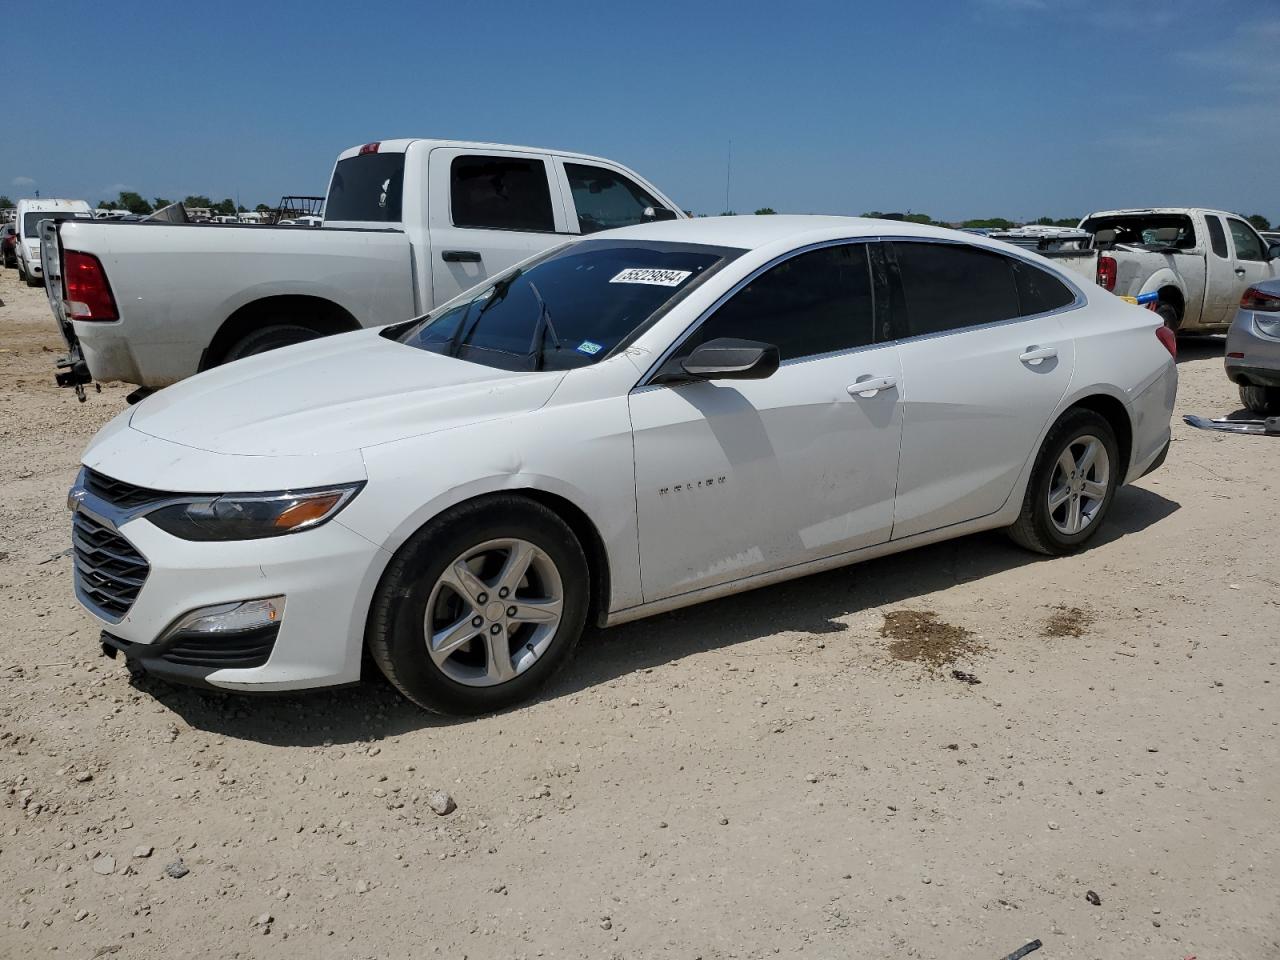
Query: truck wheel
pixel 481 606
pixel 1072 484
pixel 1261 400
pixel 1169 314
pixel 269 338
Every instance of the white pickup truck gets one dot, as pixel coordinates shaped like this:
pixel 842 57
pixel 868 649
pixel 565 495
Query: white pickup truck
pixel 1197 262
pixel 408 224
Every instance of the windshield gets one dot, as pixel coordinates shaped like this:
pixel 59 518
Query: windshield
pixel 570 309
pixel 32 220
pixel 366 187
pixel 1139 230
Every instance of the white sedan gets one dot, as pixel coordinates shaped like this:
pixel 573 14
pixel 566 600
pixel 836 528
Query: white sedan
pixel 618 427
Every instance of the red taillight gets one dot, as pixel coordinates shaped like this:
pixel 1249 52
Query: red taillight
pixel 1260 300
pixel 1169 339
pixel 1107 273
pixel 370 148
pixel 88 295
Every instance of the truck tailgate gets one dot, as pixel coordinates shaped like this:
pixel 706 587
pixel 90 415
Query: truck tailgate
pixel 72 371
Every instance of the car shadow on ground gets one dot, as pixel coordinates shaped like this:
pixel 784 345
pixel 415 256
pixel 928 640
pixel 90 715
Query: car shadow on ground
pixel 814 605
pixel 1201 347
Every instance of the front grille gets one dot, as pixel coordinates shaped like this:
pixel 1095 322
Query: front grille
pixel 119 493
pixel 109 571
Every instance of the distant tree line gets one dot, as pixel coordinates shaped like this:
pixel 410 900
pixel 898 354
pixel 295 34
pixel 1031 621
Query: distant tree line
pixel 136 203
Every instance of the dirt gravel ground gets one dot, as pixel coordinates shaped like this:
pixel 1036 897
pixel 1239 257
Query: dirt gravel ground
pixel 756 777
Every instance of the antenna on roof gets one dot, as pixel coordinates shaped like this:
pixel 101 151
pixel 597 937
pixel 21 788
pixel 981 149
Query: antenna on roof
pixel 728 172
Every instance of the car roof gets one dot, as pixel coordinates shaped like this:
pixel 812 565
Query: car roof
pixel 753 232
pixel 401 145
pixel 1137 211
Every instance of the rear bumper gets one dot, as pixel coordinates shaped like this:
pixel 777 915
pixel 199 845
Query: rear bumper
pixel 1243 372
pixel 1151 411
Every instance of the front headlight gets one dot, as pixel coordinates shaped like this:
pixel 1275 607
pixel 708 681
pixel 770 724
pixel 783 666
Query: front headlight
pixel 252 516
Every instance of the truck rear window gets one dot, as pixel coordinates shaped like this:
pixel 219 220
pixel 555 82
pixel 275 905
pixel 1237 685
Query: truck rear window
pixel 366 188
pixel 1139 229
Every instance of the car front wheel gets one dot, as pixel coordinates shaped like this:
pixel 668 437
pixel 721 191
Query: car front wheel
pixel 481 606
pixel 1074 480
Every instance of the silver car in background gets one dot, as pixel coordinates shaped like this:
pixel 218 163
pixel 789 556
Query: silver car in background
pixel 1253 348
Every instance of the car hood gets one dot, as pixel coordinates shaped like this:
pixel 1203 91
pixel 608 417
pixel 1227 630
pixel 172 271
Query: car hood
pixel 337 393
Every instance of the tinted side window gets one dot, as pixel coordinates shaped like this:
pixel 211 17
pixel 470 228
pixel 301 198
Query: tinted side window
pixel 500 193
pixel 1039 292
pixel 1217 237
pixel 948 286
pixel 1248 246
pixel 817 302
pixel 604 199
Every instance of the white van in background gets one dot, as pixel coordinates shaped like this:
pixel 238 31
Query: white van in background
pixel 30 214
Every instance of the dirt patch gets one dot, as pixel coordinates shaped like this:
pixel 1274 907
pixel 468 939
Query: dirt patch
pixel 1067 622
pixel 920 637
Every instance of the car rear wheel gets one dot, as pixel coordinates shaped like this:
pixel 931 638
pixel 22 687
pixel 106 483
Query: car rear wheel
pixel 1169 315
pixel 1261 400
pixel 271 337
pixel 480 607
pixel 1072 485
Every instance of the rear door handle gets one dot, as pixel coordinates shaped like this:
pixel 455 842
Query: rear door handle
pixel 460 256
pixel 1240 271
pixel 1036 355
pixel 869 386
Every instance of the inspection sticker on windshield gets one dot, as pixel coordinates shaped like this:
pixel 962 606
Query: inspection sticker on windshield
pixel 589 348
pixel 653 276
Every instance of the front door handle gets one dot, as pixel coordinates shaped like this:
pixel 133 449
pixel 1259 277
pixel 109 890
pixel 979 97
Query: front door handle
pixel 869 386
pixel 1240 271
pixel 460 256
pixel 1034 356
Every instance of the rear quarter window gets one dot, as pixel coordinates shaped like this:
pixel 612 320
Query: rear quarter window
pixel 366 188
pixel 1039 291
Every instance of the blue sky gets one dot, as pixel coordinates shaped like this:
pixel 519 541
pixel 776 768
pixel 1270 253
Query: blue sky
pixel 956 108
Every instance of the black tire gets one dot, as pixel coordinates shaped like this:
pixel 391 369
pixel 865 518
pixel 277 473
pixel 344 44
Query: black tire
pixel 1169 315
pixel 271 337
pixel 35 281
pixel 395 633
pixel 1261 400
pixel 1035 528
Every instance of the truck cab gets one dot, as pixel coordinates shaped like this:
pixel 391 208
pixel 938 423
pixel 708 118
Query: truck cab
pixel 473 209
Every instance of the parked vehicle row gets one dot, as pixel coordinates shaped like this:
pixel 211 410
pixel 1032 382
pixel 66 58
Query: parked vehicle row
pixel 619 426
pixel 408 224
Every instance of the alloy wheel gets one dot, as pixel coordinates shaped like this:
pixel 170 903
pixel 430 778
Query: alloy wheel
pixel 493 612
pixel 1079 484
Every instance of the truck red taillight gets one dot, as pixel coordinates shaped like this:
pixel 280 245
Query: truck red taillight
pixel 1169 339
pixel 1107 273
pixel 88 295
pixel 370 147
pixel 1260 300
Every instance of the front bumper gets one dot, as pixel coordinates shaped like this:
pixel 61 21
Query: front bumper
pixel 327 576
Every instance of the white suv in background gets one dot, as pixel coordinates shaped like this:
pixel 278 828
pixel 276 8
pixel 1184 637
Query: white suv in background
pixel 30 215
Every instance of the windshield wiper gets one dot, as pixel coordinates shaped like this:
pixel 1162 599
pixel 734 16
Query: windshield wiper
pixel 464 331
pixel 538 343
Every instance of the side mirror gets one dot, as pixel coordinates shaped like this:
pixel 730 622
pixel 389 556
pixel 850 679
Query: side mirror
pixel 728 359
pixel 658 213
pixel 1273 252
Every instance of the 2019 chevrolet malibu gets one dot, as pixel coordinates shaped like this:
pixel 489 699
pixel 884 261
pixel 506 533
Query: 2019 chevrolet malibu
pixel 620 426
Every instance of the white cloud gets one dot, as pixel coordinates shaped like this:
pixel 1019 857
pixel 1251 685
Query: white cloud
pixel 22 182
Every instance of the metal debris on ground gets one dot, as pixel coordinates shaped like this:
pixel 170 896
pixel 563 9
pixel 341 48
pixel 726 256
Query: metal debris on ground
pixel 964 677
pixel 1269 427
pixel 1093 898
